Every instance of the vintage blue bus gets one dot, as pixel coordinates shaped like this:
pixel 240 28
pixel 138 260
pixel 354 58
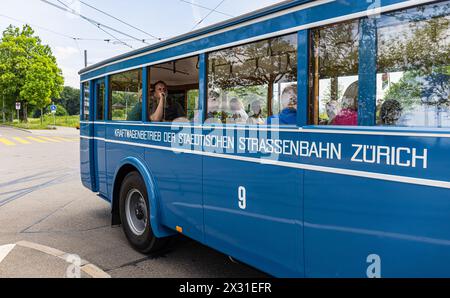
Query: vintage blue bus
pixel 306 139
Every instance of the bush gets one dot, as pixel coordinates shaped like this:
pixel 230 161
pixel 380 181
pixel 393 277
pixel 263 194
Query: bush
pixel 61 111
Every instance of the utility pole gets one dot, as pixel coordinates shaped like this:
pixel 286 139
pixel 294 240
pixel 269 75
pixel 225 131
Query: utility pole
pixel 85 58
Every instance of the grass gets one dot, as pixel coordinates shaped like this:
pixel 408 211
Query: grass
pixel 35 123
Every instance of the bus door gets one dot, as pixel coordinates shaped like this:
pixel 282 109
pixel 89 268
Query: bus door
pixel 87 159
pixel 100 134
pixel 253 210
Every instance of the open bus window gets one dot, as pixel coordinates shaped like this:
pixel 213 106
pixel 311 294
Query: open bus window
pixel 334 74
pixel 254 84
pixel 174 91
pixel 413 77
pixel 86 94
pixel 126 96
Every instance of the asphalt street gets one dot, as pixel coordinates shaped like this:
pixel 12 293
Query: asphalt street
pixel 47 217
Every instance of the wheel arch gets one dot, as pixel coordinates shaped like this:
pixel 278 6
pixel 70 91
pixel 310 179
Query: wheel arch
pixel 126 166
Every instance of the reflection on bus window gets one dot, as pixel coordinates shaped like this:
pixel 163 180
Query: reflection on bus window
pixel 246 83
pixel 334 74
pixel 100 101
pixel 126 96
pixel 413 79
pixel 86 101
pixel 174 92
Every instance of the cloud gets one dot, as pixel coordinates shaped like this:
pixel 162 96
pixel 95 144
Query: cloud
pixel 71 77
pixel 63 53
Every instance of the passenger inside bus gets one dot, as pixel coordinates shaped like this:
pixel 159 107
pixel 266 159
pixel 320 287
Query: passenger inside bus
pixel 238 115
pixel 163 107
pixel 391 111
pixel 288 115
pixel 255 118
pixel 348 115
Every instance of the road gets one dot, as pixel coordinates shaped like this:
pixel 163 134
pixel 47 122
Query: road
pixel 45 212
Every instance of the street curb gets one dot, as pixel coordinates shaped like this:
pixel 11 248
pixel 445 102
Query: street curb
pixel 18 128
pixel 88 268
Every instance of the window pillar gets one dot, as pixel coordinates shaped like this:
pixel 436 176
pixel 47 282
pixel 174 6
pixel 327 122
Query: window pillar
pixel 303 77
pixel 367 72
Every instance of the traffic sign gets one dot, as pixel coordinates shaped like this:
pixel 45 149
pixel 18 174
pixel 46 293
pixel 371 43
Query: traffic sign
pixel 53 109
pixel 18 106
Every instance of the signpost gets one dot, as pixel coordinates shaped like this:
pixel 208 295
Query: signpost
pixel 53 109
pixel 18 107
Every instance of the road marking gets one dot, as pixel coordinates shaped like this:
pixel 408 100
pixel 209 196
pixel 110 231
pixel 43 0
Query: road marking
pixel 36 140
pixel 5 250
pixel 64 139
pixel 21 140
pixel 87 267
pixel 49 139
pixel 7 142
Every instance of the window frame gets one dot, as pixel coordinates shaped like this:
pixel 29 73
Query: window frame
pixel 367 107
pixel 108 98
pixel 84 85
pixel 148 78
pixel 301 60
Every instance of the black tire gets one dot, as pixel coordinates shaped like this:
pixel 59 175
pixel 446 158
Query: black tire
pixel 146 242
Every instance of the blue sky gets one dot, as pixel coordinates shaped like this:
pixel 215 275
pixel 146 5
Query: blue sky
pixel 162 18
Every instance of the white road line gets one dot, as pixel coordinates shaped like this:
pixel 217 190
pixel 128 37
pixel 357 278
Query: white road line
pixel 5 250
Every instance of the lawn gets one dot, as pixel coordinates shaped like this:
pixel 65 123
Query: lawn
pixel 35 123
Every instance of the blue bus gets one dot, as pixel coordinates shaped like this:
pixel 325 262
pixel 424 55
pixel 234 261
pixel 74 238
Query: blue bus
pixel 305 139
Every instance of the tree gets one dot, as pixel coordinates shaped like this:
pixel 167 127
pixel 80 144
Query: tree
pixel 70 100
pixel 28 70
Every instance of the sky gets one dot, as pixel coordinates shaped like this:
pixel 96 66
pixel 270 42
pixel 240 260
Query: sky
pixel 159 18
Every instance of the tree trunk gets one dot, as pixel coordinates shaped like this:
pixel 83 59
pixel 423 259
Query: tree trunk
pixel 25 112
pixel 42 116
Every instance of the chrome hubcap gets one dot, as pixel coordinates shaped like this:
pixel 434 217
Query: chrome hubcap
pixel 136 212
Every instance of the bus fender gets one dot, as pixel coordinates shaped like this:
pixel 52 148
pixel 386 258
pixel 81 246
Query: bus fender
pixel 158 229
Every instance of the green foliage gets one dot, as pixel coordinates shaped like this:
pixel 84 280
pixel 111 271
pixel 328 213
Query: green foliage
pixel 70 99
pixel 61 111
pixel 35 123
pixel 118 115
pixel 28 70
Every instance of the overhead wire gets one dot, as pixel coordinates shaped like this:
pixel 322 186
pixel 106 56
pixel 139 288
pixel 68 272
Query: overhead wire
pixel 207 8
pixel 93 22
pixel 121 21
pixel 205 17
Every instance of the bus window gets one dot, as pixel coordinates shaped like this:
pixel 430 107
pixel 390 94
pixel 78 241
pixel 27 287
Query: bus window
pixel 413 77
pixel 174 91
pixel 86 94
pixel 334 74
pixel 126 96
pixel 100 98
pixel 254 83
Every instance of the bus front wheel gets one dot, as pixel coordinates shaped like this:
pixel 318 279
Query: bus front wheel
pixel 135 216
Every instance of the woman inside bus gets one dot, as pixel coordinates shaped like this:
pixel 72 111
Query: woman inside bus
pixel 349 112
pixel 288 115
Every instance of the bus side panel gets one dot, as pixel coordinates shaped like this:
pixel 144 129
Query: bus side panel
pixel 115 154
pixel 178 177
pixel 357 226
pixel 266 234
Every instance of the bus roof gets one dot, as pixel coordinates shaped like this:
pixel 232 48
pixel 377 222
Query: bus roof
pixel 203 31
